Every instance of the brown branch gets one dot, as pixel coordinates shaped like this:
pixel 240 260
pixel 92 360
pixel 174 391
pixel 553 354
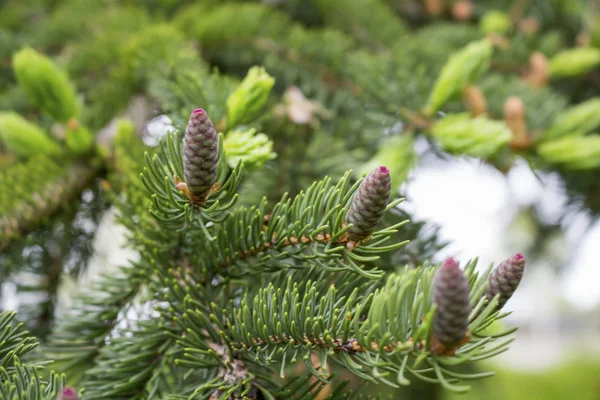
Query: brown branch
pixel 291 241
pixel 350 346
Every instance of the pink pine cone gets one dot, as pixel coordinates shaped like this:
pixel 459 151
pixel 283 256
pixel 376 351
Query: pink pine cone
pixel 369 203
pixel 451 294
pixel 505 278
pixel 200 153
pixel 68 393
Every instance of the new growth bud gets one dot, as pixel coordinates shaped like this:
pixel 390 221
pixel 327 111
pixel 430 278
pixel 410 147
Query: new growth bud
pixel 495 21
pixel 451 294
pixel 247 101
pixel 475 137
pixel 460 71
pixel 462 10
pixel 369 203
pixel 575 121
pixel 434 7
pixel 505 278
pixel 572 152
pixel 514 116
pixel 254 149
pixel 200 155
pixel 475 100
pixel 538 69
pixel 573 62
pixel 47 86
pixel 23 137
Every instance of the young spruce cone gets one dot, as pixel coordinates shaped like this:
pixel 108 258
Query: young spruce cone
pixel 505 278
pixel 68 393
pixel 451 294
pixel 200 154
pixel 369 203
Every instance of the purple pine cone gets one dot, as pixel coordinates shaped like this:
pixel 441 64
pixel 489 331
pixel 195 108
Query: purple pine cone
pixel 200 153
pixel 68 393
pixel 451 294
pixel 369 203
pixel 505 278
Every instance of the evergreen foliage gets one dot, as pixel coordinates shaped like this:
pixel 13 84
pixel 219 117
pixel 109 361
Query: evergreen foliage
pixel 22 381
pixel 273 261
pixel 49 185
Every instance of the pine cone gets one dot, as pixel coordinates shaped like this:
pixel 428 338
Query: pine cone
pixel 451 294
pixel 505 278
pixel 200 154
pixel 68 393
pixel 369 203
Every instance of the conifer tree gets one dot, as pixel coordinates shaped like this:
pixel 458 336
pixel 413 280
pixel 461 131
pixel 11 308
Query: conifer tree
pixel 273 259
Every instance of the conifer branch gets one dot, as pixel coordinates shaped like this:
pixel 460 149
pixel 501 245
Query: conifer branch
pixel 18 380
pixel 80 334
pixel 281 324
pixel 129 365
pixel 49 187
pixel 311 227
pixel 243 292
